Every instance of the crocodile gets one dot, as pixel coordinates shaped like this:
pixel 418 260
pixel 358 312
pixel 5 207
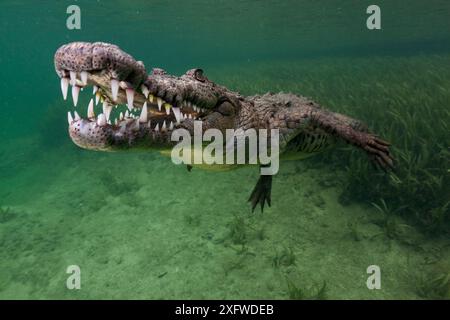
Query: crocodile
pixel 156 104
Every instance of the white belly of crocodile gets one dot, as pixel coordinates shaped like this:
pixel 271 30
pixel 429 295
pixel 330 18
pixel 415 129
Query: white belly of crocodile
pixel 307 144
pixel 304 145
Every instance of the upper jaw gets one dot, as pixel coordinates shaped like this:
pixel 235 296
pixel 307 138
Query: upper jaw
pixel 99 57
pixel 102 65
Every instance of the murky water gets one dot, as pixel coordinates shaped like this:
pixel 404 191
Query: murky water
pixel 140 227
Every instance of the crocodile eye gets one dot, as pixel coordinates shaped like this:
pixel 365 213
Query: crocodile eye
pixel 198 75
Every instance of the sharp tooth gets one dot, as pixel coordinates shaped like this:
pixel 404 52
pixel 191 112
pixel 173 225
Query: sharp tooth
pixel 121 116
pixel 73 78
pixel 127 114
pixel 106 109
pixel 189 104
pixel 69 117
pixel 143 116
pixel 163 128
pixel 84 77
pixel 64 87
pixel 149 124
pixel 97 98
pixel 136 125
pixel 157 127
pixel 189 116
pixel 167 106
pixel 145 91
pixel 95 89
pixel 203 110
pixel 90 111
pixel 151 97
pixel 115 121
pixel 77 116
pixel 160 102
pixel 109 122
pixel 101 119
pixel 195 108
pixel 177 113
pixel 75 92
pixel 130 98
pixel 114 88
pixel 171 125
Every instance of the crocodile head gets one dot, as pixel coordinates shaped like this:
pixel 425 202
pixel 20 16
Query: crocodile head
pixel 153 104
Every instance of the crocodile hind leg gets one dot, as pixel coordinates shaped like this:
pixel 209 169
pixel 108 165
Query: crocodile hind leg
pixel 262 192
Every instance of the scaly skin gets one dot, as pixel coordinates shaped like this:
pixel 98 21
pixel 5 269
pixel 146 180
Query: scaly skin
pixel 305 128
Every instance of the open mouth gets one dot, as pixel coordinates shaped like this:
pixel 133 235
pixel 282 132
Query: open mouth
pixel 155 112
pixel 129 107
pixel 126 126
pixel 109 124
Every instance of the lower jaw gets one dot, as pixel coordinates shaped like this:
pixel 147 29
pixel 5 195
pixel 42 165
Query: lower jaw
pixel 134 136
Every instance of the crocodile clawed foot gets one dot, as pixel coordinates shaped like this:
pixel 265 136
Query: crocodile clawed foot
pixel 261 193
pixel 378 151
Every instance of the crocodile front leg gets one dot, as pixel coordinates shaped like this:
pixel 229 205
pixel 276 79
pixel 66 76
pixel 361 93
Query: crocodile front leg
pixel 350 131
pixel 301 115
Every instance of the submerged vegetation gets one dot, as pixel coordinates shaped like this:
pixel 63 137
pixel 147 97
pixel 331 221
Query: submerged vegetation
pixel 405 100
pixel 433 286
pixel 285 257
pixel 6 214
pixel 433 282
pixel 314 292
pixel 238 230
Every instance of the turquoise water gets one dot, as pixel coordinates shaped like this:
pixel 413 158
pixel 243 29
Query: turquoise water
pixel 140 227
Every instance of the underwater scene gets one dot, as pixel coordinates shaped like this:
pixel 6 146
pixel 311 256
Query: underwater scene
pixel 367 218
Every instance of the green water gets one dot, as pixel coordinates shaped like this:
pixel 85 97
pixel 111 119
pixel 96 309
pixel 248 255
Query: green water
pixel 140 227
